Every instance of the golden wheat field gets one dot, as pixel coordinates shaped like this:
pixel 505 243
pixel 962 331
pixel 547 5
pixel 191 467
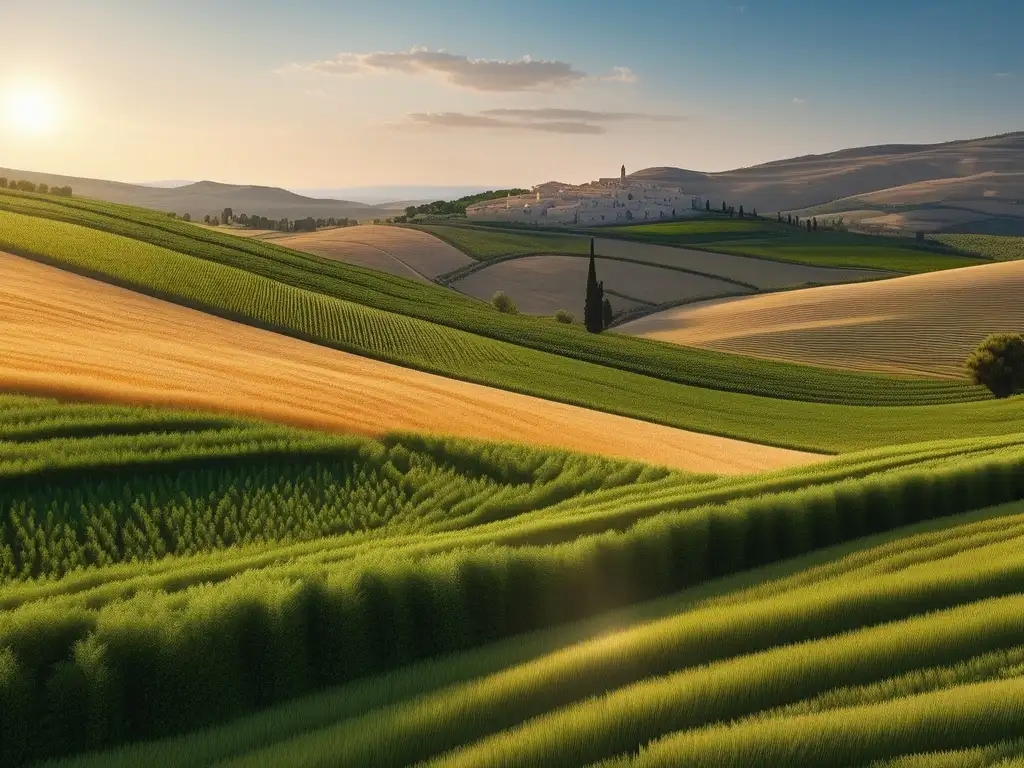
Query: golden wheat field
pixel 70 336
pixel 399 251
pixel 541 285
pixel 920 325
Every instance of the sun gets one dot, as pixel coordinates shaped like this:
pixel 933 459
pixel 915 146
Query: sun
pixel 32 111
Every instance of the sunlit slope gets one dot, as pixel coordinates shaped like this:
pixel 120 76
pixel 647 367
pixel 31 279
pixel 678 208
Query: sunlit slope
pixel 919 325
pixel 48 230
pixel 69 335
pixel 399 251
pixel 902 644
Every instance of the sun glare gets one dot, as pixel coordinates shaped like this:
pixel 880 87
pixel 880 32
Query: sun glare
pixel 31 111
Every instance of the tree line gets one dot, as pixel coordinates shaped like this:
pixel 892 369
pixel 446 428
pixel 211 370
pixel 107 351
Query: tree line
pixel 21 185
pixel 455 207
pixel 227 217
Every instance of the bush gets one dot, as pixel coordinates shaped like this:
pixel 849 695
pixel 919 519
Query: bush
pixel 564 316
pixel 501 302
pixel 998 363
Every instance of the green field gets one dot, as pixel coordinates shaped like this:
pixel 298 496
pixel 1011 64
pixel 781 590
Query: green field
pixel 285 574
pixel 830 249
pixel 53 226
pixel 179 588
pixel 760 238
pixel 483 244
pixel 412 342
pixel 702 230
pixel 997 247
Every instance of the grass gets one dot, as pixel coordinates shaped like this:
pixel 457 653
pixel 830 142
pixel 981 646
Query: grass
pixel 483 244
pixel 996 247
pixel 414 299
pixel 904 648
pixel 701 230
pixel 283 575
pixel 828 249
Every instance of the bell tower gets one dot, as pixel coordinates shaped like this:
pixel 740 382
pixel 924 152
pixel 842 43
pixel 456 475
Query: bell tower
pixel 622 176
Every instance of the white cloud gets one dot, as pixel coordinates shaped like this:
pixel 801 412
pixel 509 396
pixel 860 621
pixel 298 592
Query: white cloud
pixel 545 120
pixel 477 74
pixel 621 75
pixel 462 120
pixel 799 100
pixel 1002 75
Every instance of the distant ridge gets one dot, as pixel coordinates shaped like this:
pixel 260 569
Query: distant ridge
pixel 209 197
pixel 811 180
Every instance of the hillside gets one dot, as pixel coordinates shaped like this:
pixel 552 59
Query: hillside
pixel 208 197
pixel 800 182
pixel 133 349
pixel 916 325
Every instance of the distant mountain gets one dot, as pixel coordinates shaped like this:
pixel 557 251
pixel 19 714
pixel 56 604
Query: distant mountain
pixel 985 173
pixel 209 197
pixel 166 184
pixel 390 195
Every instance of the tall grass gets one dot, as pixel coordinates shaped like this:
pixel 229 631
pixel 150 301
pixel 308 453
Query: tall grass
pixel 302 623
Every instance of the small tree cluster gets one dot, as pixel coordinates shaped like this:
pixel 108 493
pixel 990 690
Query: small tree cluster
pixel 564 316
pixel 501 302
pixel 21 185
pixel 998 363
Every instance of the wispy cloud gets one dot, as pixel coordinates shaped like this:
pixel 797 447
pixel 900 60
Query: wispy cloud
pixel 581 114
pixel 477 74
pixel 462 120
pixel 799 100
pixel 546 120
pixel 1002 75
pixel 621 75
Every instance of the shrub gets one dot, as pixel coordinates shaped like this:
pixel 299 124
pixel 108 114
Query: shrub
pixel 501 302
pixel 998 363
pixel 564 316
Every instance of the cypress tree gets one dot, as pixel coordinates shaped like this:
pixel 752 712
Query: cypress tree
pixel 606 309
pixel 592 310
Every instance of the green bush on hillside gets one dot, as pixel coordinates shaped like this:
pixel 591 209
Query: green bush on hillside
pixel 998 363
pixel 501 302
pixel 564 316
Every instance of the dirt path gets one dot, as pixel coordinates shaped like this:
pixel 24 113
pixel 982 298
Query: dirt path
pixel 65 335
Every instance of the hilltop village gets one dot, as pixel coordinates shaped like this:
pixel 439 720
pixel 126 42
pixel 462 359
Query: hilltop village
pixel 604 201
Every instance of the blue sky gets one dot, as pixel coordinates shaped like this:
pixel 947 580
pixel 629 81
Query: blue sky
pixel 311 93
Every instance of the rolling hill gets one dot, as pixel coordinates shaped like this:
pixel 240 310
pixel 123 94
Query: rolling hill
pixel 208 197
pixel 923 325
pixel 983 174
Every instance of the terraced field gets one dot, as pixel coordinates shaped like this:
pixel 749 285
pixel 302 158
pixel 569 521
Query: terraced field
pixel 396 250
pixel 414 611
pixel 541 285
pixel 70 336
pixel 413 299
pixel 919 325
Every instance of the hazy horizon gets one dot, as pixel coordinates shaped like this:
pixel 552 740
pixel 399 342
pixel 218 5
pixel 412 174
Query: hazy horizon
pixel 316 95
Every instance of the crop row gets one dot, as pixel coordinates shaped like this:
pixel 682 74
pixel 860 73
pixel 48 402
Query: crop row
pixel 377 290
pixel 154 662
pixel 412 342
pixel 998 247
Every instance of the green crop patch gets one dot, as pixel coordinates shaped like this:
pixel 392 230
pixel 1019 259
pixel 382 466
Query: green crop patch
pixel 396 636
pixel 483 244
pixel 995 247
pixel 827 249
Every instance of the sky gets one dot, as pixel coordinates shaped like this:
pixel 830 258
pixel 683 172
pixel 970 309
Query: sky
pixel 319 94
